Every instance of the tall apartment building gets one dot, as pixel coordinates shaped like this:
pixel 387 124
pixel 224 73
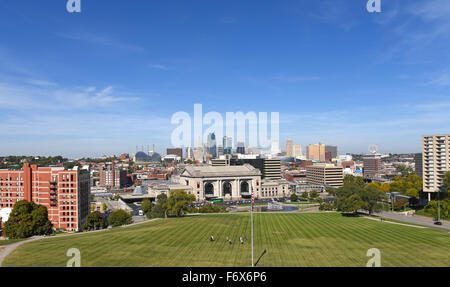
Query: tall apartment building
pixel 325 174
pixel 227 144
pixel 371 166
pixel 436 161
pixel 240 148
pixel 418 164
pixel 289 148
pixel 65 193
pixel 332 149
pixel 298 150
pixel 211 146
pixel 316 152
pixel 113 177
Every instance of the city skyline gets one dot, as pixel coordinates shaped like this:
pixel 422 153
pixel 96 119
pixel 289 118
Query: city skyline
pixel 111 77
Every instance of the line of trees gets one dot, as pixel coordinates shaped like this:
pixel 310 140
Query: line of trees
pixel 96 221
pixel 353 196
pixel 176 205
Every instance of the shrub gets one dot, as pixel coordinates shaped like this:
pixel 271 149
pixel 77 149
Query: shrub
pixel 119 217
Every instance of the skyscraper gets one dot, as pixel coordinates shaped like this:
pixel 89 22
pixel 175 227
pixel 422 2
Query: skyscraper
pixel 227 144
pixel 240 148
pixel 418 164
pixel 289 148
pixel 316 152
pixel 436 161
pixel 298 151
pixel 211 146
pixel 332 149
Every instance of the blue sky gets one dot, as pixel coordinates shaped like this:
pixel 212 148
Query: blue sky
pixel 111 77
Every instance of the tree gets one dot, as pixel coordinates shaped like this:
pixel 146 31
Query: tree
pixel 441 208
pixel 352 196
pixel 372 196
pixel 446 181
pixel 400 204
pixel 326 206
pixel 160 208
pixel 304 195
pixel 375 185
pixel 410 185
pixel 212 208
pixel 413 192
pixel 94 221
pixel 104 207
pixel 350 179
pixel 158 211
pixel 294 197
pixel 28 219
pixel 405 171
pixel 350 204
pixel 313 194
pixel 385 187
pixel 178 202
pixel 119 217
pixel 146 207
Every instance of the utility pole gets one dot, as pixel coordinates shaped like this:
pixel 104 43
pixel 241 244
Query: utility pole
pixel 439 208
pixel 251 218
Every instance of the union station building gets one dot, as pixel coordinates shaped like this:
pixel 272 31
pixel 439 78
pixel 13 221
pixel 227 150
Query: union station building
pixel 230 183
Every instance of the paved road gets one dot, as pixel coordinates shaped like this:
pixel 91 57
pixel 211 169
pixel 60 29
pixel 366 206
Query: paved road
pixel 416 219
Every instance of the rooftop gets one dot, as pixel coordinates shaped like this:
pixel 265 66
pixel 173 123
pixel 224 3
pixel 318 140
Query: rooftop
pixel 211 171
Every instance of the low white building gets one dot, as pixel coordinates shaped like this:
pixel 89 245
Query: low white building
pixel 274 188
pixel 227 182
pixel 231 183
pixel 4 214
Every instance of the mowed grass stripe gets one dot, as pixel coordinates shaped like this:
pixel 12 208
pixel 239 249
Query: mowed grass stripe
pixel 313 239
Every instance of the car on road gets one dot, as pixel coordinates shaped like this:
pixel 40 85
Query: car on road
pixel 438 223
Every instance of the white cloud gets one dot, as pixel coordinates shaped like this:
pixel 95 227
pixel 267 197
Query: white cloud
pixel 102 40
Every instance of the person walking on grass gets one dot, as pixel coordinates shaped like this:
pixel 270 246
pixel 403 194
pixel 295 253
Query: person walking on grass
pixel 212 238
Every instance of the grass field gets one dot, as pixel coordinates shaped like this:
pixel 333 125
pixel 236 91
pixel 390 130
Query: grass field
pixel 11 241
pixel 313 239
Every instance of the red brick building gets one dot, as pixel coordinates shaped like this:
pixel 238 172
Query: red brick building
pixel 65 193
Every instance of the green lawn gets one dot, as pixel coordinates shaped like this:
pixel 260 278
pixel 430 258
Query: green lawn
pixel 10 241
pixel 312 239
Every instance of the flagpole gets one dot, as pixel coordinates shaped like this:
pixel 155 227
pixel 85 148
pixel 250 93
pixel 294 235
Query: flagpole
pixel 251 216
